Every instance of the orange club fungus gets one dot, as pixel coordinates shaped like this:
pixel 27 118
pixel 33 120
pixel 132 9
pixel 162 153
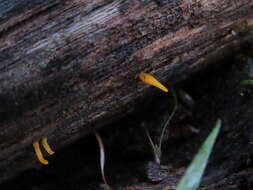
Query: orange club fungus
pixel 149 79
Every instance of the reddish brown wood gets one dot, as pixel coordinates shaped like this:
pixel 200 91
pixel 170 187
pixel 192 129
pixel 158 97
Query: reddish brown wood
pixel 69 66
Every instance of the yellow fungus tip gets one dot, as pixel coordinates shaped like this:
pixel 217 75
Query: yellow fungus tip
pixel 39 154
pixel 149 79
pixel 46 146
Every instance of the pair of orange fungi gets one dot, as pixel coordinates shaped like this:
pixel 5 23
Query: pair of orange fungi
pixel 38 152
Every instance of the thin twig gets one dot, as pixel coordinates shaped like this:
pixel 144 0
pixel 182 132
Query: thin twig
pixel 154 147
pixel 102 158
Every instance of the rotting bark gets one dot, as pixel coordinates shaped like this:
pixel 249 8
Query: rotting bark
pixel 217 94
pixel 69 66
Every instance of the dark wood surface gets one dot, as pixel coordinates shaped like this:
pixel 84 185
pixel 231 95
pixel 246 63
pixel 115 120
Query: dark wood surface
pixel 69 66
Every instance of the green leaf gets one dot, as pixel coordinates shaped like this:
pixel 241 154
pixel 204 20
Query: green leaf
pixel 194 173
pixel 247 82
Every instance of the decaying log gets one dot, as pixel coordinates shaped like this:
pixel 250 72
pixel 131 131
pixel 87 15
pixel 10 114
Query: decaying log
pixel 69 66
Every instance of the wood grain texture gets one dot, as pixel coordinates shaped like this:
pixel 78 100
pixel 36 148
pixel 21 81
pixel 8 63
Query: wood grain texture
pixel 69 66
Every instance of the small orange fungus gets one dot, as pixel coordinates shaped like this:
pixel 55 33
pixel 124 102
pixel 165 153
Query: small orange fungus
pixel 39 154
pixel 46 146
pixel 149 79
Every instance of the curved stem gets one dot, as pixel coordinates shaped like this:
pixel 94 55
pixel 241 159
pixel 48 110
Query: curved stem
pixel 168 120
